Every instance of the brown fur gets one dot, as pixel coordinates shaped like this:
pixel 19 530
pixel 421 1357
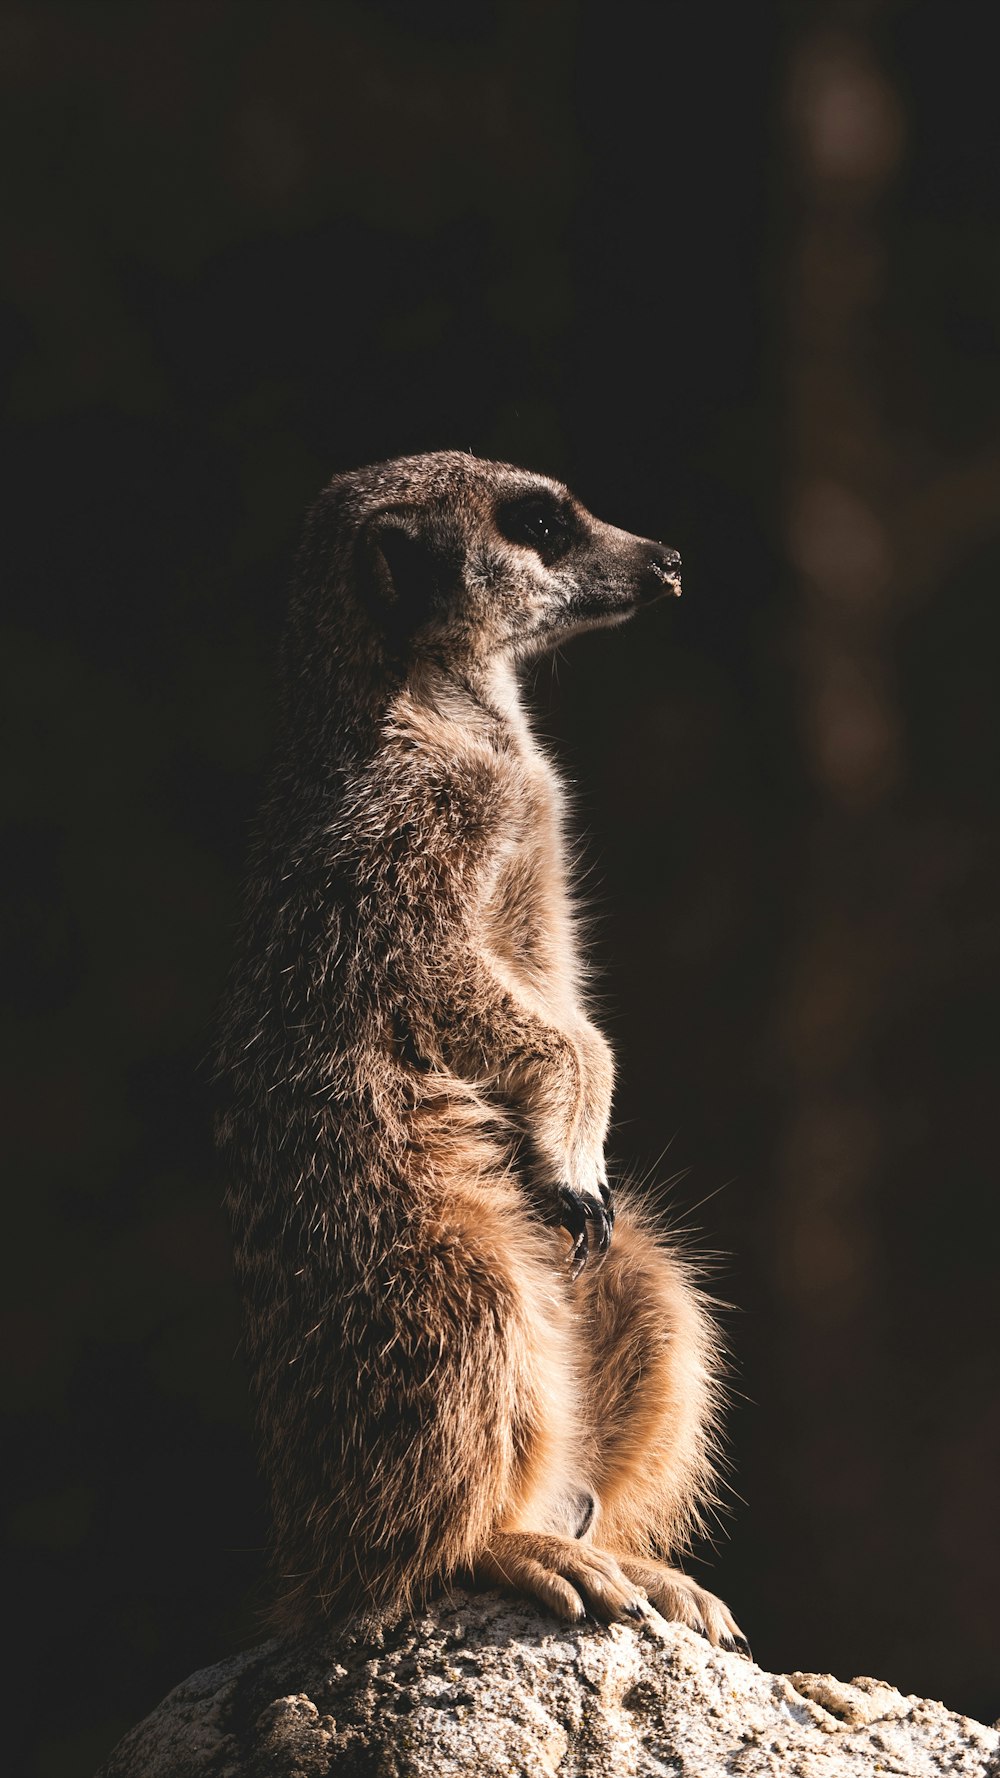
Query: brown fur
pixel 418 1101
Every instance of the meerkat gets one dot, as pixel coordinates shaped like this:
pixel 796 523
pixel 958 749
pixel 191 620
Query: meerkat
pixel 466 1365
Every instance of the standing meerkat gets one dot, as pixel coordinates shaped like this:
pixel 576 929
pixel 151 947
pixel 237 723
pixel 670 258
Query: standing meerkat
pixel 465 1364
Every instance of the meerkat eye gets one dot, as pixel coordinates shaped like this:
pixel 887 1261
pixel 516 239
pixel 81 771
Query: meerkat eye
pixel 539 522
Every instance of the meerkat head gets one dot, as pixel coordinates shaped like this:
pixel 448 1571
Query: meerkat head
pixel 452 558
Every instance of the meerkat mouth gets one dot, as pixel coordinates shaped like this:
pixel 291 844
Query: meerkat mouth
pixel 669 578
pixel 595 610
pixel 614 608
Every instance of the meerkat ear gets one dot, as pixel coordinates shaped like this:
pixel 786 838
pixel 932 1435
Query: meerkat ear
pixel 403 576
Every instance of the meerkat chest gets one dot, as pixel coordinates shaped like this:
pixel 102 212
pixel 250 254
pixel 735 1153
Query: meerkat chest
pixel 528 913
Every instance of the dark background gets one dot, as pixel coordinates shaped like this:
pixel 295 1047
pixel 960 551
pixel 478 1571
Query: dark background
pixel 734 272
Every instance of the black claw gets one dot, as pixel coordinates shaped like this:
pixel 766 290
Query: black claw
pixel 634 1610
pixel 574 1219
pixel 735 1644
pixel 574 1211
pixel 584 1220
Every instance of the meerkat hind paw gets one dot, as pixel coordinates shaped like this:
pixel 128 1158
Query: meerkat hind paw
pixel 678 1598
pixel 574 1581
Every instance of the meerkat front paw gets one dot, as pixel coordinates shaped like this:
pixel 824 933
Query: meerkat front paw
pixel 590 1219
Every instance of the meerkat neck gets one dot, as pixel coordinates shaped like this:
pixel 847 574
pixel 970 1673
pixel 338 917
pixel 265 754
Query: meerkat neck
pixel 478 694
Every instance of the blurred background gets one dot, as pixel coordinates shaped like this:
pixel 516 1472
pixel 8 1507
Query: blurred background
pixel 734 273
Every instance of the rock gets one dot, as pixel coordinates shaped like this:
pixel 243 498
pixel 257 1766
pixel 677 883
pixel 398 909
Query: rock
pixel 482 1686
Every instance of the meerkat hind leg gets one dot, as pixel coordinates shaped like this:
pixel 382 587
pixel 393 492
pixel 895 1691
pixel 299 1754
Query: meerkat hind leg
pixel 652 1405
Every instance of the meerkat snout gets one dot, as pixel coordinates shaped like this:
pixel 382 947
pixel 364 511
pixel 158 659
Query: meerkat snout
pixel 665 567
pixel 595 574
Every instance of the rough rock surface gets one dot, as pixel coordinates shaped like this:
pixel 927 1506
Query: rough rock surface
pixel 484 1685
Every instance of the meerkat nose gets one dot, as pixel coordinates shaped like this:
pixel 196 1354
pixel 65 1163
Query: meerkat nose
pixel 666 565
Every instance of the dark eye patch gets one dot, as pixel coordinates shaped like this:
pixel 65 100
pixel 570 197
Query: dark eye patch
pixel 541 522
